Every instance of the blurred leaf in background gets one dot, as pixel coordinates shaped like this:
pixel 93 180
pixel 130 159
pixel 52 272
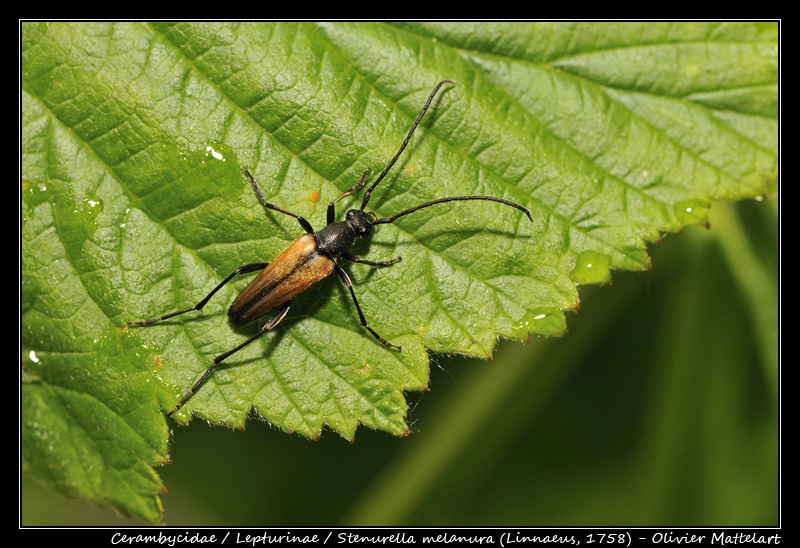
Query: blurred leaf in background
pixel 659 407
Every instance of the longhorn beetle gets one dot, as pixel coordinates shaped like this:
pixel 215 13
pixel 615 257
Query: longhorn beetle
pixel 310 258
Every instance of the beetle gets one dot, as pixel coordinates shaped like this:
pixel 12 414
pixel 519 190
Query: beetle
pixel 311 258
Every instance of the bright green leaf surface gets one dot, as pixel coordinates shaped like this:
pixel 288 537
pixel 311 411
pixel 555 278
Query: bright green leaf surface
pixel 133 205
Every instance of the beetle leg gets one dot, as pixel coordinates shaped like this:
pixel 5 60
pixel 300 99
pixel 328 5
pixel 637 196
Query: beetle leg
pixel 349 285
pixel 280 313
pixel 305 224
pixel 359 184
pixel 352 258
pixel 241 270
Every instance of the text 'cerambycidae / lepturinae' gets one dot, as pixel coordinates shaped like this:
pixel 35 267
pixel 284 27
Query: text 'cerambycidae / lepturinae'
pixel 310 258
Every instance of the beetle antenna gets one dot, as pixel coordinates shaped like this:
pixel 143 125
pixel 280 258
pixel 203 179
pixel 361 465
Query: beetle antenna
pixel 368 193
pixel 386 220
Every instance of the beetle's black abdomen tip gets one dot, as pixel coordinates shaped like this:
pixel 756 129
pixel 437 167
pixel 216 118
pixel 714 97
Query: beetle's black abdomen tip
pixel 235 316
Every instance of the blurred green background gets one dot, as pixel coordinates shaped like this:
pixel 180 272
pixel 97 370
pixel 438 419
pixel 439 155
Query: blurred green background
pixel 659 407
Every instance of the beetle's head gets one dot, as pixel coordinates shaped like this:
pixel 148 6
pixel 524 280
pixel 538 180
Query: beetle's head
pixel 360 221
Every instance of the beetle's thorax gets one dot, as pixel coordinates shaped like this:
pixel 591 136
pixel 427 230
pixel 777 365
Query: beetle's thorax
pixel 336 239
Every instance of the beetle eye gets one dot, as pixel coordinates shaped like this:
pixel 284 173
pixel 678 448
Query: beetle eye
pixel 360 221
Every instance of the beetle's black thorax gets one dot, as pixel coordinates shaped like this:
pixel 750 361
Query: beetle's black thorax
pixel 336 239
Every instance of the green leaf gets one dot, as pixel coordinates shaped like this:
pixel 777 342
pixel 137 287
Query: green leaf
pixel 133 205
